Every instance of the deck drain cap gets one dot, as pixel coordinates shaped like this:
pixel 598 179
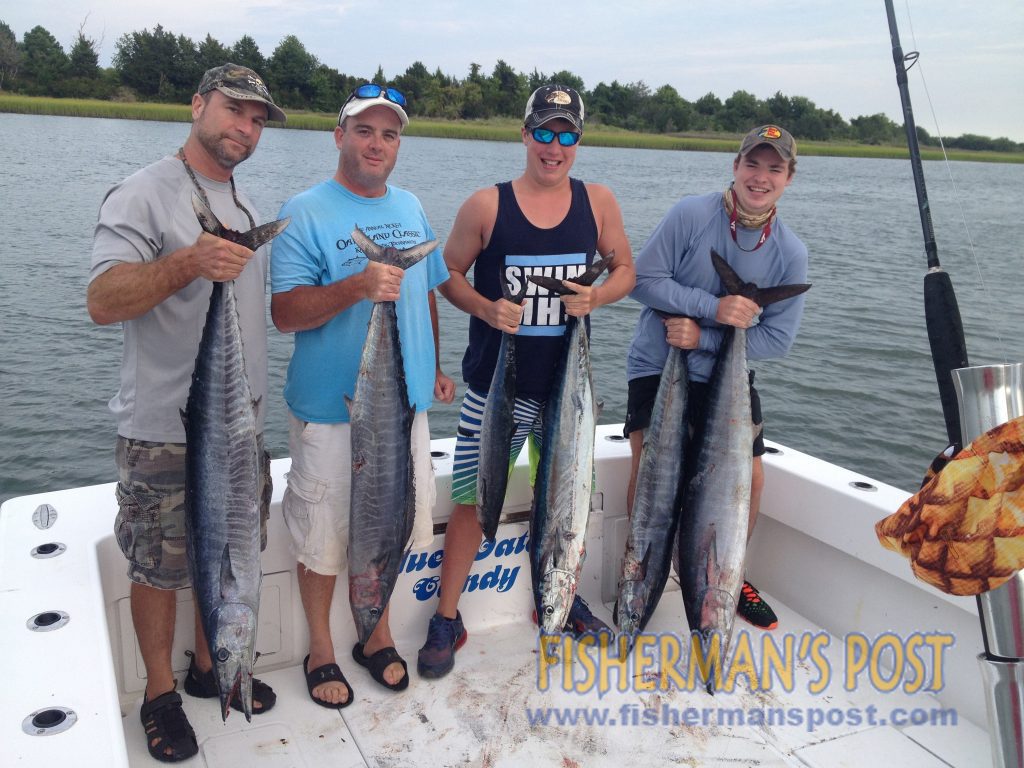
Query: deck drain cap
pixel 50 549
pixel 49 721
pixel 47 621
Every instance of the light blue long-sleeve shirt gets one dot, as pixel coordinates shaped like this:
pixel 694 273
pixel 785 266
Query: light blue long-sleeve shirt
pixel 674 275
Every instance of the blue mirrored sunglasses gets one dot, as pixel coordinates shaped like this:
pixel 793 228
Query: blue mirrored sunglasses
pixel 372 91
pixel 565 138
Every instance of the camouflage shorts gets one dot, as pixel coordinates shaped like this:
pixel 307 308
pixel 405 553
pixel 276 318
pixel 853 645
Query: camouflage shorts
pixel 150 524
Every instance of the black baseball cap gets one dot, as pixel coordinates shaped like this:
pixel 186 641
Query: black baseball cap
pixel 551 102
pixel 238 82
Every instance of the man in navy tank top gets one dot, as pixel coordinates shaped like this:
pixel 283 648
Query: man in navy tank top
pixel 543 222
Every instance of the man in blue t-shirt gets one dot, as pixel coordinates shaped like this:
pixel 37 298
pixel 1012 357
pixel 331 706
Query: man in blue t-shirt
pixel 323 290
pixel 675 277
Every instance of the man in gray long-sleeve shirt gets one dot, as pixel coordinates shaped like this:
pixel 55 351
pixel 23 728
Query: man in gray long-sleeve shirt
pixel 675 276
pixel 153 270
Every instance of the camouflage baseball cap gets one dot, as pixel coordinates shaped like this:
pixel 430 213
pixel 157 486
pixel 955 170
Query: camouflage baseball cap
pixel 238 82
pixel 777 138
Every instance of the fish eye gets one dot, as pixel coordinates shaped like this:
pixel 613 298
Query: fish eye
pixel 548 610
pixel 223 654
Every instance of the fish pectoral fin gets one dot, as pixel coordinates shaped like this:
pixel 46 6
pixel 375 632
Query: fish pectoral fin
pixel 711 568
pixel 553 552
pixel 228 580
pixel 644 561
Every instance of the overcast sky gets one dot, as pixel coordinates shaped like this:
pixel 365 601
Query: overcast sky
pixel 838 54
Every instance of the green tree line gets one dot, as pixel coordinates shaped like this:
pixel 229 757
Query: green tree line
pixel 160 66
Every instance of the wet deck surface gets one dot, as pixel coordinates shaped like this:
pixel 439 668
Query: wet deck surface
pixel 479 715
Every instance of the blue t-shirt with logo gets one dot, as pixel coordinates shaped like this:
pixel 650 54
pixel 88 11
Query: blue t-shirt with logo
pixel 317 249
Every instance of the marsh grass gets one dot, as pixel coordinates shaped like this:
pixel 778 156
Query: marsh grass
pixel 485 130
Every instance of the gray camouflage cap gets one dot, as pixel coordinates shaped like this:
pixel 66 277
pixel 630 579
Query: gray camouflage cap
pixel 238 82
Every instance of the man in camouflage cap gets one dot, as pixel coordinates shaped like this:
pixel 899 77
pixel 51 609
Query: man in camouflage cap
pixel 238 82
pixel 153 270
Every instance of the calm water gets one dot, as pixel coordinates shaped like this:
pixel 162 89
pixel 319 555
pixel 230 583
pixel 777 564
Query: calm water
pixel 857 389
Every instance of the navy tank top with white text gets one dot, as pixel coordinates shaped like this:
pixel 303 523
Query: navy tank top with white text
pixel 516 250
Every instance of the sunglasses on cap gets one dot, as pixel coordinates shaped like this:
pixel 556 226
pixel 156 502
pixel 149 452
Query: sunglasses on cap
pixel 565 138
pixel 373 91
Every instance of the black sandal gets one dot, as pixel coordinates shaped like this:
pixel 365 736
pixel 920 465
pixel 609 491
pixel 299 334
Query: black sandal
pixel 326 673
pixel 376 663
pixel 203 685
pixel 169 735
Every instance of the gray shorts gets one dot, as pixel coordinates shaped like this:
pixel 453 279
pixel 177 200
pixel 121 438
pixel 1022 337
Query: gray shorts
pixel 150 523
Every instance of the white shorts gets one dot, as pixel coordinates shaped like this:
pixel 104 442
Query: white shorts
pixel 318 496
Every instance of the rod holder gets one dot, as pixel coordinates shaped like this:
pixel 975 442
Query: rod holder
pixel 990 395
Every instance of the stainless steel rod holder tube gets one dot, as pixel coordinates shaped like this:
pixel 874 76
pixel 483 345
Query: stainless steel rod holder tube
pixel 988 396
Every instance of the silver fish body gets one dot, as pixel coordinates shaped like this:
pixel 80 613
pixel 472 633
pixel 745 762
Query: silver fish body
pixel 561 505
pixel 497 427
pixel 561 498
pixel 222 483
pixel 716 497
pixel 716 502
pixel 652 528
pixel 383 489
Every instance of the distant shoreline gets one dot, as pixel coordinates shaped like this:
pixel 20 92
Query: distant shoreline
pixel 487 130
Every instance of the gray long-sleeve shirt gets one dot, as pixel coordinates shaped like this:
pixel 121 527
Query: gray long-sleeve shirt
pixel 674 275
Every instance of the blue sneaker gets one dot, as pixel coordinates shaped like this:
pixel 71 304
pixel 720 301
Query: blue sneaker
pixel 582 621
pixel 444 637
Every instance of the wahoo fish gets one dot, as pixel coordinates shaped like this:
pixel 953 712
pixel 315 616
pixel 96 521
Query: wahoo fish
pixel 716 496
pixel 652 527
pixel 383 492
pixel 222 482
pixel 561 499
pixel 496 430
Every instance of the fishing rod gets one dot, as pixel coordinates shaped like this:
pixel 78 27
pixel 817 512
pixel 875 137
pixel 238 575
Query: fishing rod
pixel 941 311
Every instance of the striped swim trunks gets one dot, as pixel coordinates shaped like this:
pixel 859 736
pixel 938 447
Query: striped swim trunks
pixel 527 414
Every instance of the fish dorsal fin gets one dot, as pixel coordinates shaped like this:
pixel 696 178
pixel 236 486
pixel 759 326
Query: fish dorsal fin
pixel 252 239
pixel 736 286
pixel 228 581
pixel 392 256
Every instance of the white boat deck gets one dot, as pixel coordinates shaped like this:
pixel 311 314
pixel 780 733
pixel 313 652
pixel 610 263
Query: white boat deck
pixel 484 712
pixel 477 716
